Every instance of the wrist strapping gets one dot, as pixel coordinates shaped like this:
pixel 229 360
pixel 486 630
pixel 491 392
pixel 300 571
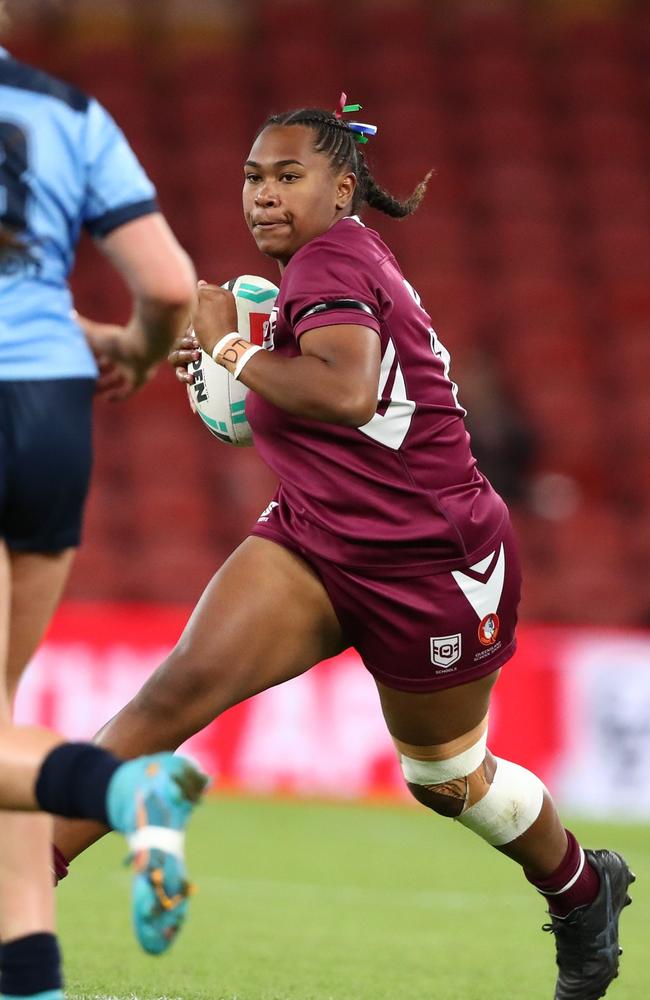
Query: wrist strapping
pixel 218 347
pixel 233 353
pixel 245 358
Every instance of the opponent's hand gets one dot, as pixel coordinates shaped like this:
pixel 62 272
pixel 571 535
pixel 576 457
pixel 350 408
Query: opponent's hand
pixel 185 350
pixel 122 368
pixel 215 315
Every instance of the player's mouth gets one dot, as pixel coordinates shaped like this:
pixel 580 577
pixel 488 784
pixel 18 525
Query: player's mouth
pixel 269 225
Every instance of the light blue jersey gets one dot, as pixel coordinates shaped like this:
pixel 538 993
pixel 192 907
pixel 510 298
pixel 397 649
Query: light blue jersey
pixel 64 164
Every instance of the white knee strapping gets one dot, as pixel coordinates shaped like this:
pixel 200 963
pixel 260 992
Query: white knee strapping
pixel 510 807
pixel 435 772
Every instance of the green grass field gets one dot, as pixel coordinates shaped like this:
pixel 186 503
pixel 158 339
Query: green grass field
pixel 320 901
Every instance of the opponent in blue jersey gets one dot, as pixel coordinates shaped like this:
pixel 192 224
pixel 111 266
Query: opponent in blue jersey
pixel 65 164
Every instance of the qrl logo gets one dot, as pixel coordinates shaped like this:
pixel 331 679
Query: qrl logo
pixel 446 650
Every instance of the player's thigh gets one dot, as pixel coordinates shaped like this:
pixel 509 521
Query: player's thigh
pixel 264 618
pixel 5 605
pixel 431 718
pixel 47 450
pixel 37 582
pixel 45 446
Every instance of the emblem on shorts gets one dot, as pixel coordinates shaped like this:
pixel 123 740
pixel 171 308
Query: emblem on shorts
pixel 445 650
pixel 266 513
pixel 488 630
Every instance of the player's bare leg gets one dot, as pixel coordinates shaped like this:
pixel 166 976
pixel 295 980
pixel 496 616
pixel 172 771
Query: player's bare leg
pixel 264 618
pixel 31 588
pixel 40 771
pixel 442 742
pixel 440 719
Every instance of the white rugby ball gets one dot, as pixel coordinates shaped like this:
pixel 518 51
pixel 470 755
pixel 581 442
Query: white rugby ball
pixel 218 398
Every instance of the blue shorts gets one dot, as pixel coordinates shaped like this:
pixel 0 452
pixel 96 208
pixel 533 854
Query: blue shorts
pixel 45 461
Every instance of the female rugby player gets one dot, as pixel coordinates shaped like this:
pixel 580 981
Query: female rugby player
pixel 64 164
pixel 383 534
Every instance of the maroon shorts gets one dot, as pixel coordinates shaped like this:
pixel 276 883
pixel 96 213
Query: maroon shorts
pixel 424 633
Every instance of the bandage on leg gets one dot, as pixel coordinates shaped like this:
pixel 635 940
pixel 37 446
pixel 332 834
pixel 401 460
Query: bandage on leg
pixel 461 779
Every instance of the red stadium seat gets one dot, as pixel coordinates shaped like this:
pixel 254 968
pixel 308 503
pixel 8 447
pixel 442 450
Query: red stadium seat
pixel 519 189
pixel 390 70
pixel 624 248
pixel 616 191
pixel 529 245
pixel 494 77
pixel 603 37
pixel 598 84
pixel 488 29
pixel 409 22
pixel 609 137
pixel 509 133
pixel 287 20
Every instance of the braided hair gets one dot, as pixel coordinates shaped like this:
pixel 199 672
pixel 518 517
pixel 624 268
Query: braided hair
pixel 15 254
pixel 335 138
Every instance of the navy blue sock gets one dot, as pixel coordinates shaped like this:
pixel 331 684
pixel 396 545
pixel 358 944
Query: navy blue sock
pixel 30 965
pixel 74 779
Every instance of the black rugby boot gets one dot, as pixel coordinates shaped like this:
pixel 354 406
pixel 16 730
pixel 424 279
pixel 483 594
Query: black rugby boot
pixel 586 941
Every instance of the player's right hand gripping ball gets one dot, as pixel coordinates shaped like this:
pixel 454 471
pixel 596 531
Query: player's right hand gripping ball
pixel 218 398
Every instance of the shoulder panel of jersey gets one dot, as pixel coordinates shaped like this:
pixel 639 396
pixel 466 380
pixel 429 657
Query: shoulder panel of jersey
pixel 23 77
pixel 336 278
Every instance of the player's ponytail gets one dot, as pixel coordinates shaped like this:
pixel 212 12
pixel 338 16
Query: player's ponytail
pixel 14 254
pixel 376 197
pixel 340 141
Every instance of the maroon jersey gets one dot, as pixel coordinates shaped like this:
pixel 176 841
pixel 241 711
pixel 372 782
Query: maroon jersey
pixel 402 494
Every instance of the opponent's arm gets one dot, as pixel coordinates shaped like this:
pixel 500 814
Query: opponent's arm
pixel 335 379
pixel 161 279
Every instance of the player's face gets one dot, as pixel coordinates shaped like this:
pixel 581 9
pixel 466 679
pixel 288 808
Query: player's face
pixel 291 194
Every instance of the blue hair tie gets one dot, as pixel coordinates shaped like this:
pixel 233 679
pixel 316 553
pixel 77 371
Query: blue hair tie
pixel 361 129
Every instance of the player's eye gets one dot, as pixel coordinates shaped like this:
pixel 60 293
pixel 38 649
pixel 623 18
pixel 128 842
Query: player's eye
pixel 251 178
pixel 289 177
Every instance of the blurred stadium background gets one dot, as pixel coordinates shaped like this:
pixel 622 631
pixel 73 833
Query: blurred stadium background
pixel 532 255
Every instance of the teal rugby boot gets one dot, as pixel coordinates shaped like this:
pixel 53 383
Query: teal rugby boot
pixel 45 995
pixel 150 801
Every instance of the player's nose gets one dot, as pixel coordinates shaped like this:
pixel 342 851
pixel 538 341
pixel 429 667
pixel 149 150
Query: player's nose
pixel 267 195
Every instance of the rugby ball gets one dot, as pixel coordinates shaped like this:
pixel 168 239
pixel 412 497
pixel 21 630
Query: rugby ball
pixel 218 398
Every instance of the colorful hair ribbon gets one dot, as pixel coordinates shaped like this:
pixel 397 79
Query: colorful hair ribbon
pixel 361 129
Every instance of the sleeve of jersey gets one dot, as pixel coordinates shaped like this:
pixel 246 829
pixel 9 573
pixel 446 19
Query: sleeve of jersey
pixel 117 188
pixel 325 286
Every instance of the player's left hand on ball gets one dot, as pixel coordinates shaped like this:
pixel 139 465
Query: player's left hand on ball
pixel 185 350
pixel 215 315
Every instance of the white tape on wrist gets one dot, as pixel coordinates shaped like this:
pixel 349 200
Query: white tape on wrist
pixel 245 358
pixel 160 838
pixel 218 347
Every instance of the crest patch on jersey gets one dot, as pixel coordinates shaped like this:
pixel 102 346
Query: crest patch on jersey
pixel 446 650
pixel 488 630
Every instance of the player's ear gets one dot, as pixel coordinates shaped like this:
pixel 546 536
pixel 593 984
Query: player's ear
pixel 345 188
